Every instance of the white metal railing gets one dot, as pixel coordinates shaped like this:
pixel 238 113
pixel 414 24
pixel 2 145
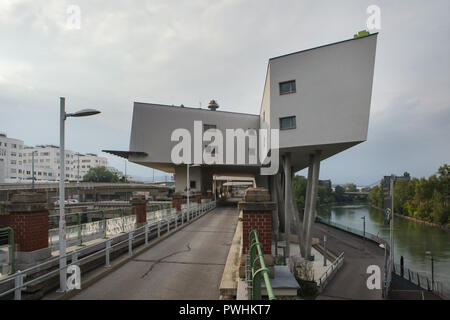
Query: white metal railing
pixel 5 257
pixel 336 265
pixel 162 226
pixel 375 238
pixel 423 281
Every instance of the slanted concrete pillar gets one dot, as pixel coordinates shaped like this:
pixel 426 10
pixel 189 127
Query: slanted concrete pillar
pixel 27 213
pixel 257 210
pixel 310 203
pixel 140 204
pixel 287 201
pixel 177 200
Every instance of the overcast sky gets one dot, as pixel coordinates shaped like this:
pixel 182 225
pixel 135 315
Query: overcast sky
pixel 189 52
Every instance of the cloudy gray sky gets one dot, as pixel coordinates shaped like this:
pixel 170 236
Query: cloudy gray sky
pixel 188 52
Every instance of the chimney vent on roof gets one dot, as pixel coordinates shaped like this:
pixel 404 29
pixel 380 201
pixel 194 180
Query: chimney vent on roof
pixel 213 105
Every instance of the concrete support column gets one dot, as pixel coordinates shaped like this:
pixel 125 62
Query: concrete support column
pixel 287 201
pixel 27 213
pixel 140 204
pixel 310 203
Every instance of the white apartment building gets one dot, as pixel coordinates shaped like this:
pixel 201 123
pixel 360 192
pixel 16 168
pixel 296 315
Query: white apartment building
pixel 46 163
pixel 11 159
pixel 16 162
pixel 88 161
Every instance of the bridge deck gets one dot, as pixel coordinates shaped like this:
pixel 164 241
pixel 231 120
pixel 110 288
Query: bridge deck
pixel 187 265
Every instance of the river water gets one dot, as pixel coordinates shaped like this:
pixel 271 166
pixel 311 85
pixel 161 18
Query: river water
pixel 411 239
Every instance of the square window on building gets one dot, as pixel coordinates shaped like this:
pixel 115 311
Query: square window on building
pixel 288 123
pixel 209 126
pixel 192 184
pixel 287 87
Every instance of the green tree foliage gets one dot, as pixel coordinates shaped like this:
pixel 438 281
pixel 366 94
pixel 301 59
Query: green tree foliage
pixel 350 187
pixel 426 199
pixel 101 174
pixel 324 195
pixel 299 185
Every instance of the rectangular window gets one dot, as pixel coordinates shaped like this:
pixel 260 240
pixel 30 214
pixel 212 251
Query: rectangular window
pixel 288 123
pixel 287 87
pixel 209 126
pixel 192 184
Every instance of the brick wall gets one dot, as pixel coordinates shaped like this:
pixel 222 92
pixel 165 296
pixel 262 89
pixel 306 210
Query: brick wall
pixel 141 211
pixel 261 221
pixel 30 229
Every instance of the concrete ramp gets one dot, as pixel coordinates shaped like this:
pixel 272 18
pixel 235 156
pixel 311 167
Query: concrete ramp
pixel 187 265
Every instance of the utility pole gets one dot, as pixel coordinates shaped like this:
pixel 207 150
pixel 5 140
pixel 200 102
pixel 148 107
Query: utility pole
pixel 391 231
pixel 364 232
pixel 188 186
pixel 125 170
pixel 32 171
pixel 78 171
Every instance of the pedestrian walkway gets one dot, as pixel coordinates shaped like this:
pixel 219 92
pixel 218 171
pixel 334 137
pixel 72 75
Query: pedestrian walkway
pixel 187 265
pixel 350 282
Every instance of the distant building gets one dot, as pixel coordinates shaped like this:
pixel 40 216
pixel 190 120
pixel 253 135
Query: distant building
pixel 16 162
pixel 47 167
pixel 10 158
pixel 326 184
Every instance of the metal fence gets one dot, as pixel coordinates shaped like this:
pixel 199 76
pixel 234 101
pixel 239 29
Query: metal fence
pixel 257 270
pixel 103 223
pixel 6 250
pixel 332 269
pixel 21 279
pixel 423 280
pixel 372 237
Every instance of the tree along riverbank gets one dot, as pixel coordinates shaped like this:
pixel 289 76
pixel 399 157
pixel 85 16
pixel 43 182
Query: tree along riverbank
pixel 421 199
pixel 428 223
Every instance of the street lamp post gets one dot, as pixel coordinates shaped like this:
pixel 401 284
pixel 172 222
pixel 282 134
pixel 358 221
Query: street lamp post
pixel 62 219
pixel 364 232
pixel 78 168
pixel 429 253
pixel 188 186
pixel 32 171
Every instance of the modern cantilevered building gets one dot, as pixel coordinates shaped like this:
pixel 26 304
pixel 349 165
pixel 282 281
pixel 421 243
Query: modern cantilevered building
pixel 319 99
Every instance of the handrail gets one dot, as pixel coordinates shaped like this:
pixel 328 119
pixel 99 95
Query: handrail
pixel 256 255
pixel 335 265
pixel 372 237
pixel 11 248
pixel 19 276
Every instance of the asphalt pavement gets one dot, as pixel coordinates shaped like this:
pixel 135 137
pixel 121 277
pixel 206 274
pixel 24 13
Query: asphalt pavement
pixel 350 282
pixel 187 265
